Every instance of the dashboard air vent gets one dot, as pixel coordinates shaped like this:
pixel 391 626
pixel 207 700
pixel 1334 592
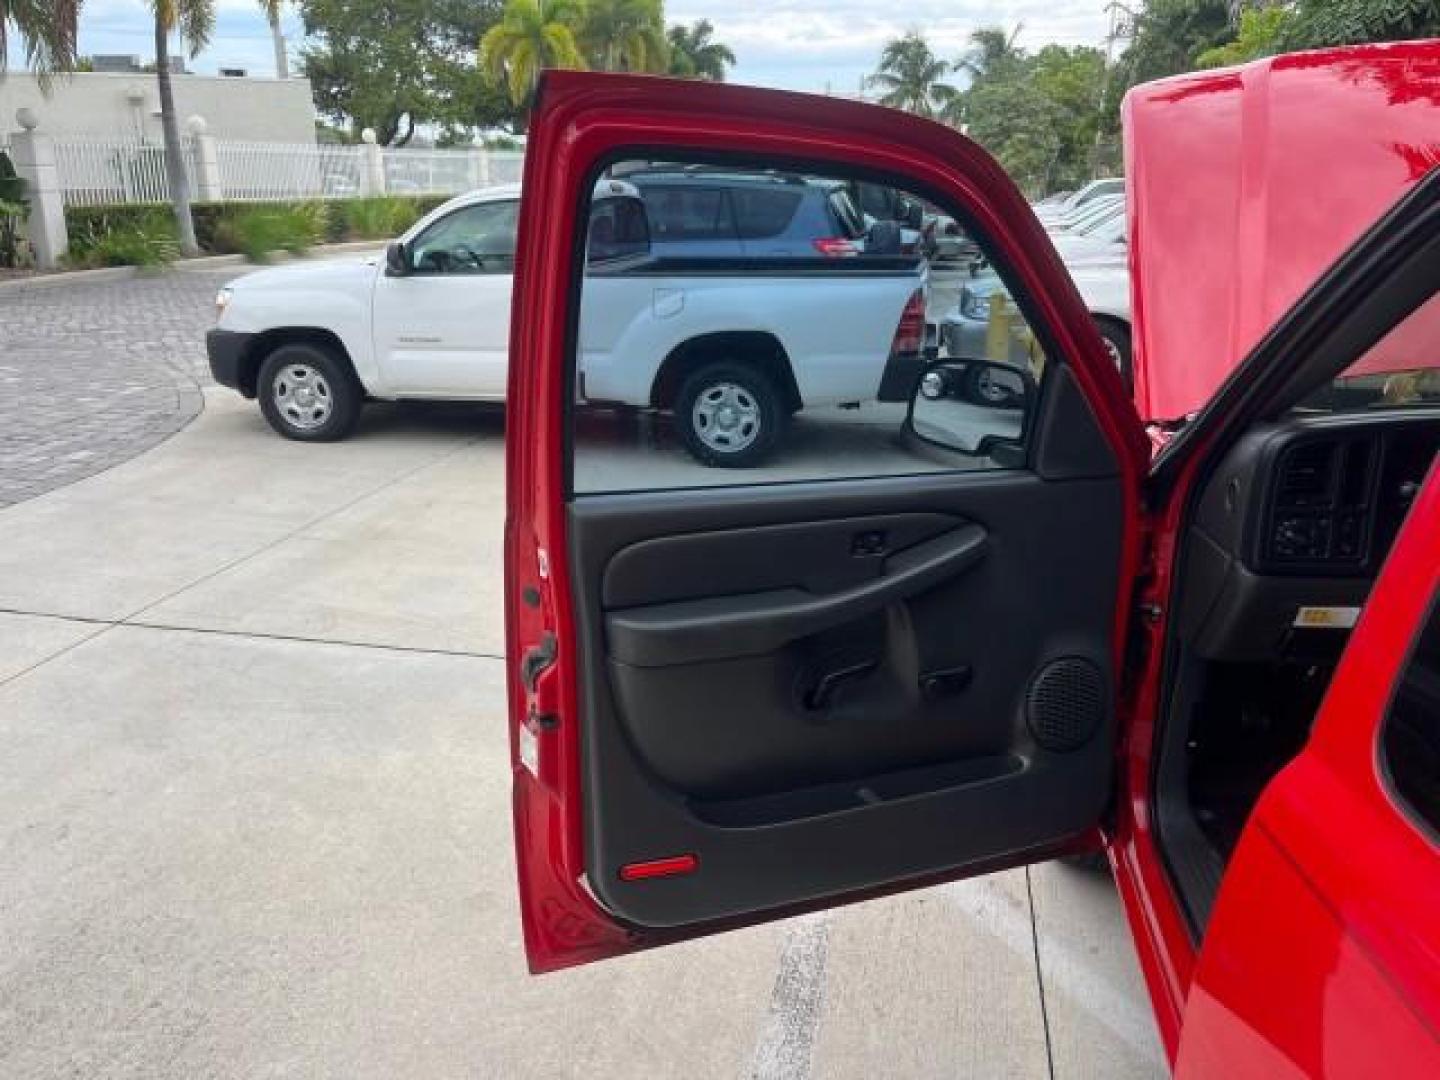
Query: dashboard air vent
pixel 1307 476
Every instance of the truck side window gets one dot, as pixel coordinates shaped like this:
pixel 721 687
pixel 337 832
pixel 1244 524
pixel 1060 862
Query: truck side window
pixel 476 239
pixel 747 325
pixel 688 213
pixel 618 230
pixel 1411 738
pixel 761 213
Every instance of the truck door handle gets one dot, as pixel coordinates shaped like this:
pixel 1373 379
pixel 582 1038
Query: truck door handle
pixel 717 628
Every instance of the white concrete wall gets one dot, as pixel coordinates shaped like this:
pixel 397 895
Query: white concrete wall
pixel 88 103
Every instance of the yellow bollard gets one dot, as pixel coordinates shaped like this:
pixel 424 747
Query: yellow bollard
pixel 997 329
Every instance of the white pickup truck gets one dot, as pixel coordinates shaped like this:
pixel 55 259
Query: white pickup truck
pixel 732 344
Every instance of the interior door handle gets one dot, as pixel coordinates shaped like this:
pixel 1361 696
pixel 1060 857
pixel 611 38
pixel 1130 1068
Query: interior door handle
pixel 691 631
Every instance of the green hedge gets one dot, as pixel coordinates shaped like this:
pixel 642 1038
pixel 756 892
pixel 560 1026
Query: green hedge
pixel 101 234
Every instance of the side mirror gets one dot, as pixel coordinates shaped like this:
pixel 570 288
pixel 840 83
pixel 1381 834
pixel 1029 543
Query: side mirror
pixel 397 259
pixel 975 407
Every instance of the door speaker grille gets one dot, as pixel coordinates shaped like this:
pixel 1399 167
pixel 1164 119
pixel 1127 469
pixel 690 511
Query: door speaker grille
pixel 1065 704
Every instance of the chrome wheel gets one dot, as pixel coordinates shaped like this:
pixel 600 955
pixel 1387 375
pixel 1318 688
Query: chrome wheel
pixel 302 396
pixel 726 417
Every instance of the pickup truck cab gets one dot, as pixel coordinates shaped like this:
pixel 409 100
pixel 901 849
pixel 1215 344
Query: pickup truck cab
pixel 1013 629
pixel 676 328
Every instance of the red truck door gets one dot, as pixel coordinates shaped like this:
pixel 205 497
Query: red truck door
pixel 878 660
pixel 1320 957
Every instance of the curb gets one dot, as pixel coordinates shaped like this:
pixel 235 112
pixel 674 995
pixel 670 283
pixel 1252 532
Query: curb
pixel 183 266
pixel 76 277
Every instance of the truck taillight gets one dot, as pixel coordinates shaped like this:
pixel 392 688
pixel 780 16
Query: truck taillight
pixel 837 246
pixel 910 333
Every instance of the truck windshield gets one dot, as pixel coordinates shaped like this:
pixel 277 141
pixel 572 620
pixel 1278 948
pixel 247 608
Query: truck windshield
pixel 1401 370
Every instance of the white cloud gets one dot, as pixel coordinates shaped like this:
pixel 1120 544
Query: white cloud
pixel 807 44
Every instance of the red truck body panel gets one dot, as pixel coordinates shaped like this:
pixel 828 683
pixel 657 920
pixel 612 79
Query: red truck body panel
pixel 1246 184
pixel 1321 956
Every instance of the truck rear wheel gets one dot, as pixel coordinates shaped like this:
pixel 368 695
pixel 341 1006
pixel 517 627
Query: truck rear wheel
pixel 730 415
pixel 307 393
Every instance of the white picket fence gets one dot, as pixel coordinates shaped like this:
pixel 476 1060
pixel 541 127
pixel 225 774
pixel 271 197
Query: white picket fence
pixel 255 170
pixel 96 171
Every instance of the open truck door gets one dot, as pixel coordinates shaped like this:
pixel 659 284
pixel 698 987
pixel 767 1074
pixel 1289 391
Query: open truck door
pixel 888 656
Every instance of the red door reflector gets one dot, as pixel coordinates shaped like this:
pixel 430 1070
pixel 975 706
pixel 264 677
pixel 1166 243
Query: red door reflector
pixel 653 868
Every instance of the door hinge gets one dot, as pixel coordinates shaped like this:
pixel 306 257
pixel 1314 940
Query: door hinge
pixel 540 706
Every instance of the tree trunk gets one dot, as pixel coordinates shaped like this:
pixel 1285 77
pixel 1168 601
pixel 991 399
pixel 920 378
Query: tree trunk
pixel 282 62
pixel 174 158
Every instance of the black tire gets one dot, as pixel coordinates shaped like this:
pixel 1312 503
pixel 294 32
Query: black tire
pixel 1117 340
pixel 323 408
pixel 759 402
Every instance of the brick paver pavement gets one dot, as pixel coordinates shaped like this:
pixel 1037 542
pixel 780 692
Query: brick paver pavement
pixel 93 373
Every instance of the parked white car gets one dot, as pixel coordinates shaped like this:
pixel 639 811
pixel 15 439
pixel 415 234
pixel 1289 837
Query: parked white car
pixel 1102 239
pixel 1103 282
pixel 313 341
pixel 1087 217
pixel 1049 212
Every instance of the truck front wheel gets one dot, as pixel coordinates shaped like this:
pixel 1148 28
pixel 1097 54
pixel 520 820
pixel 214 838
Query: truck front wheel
pixel 307 393
pixel 730 415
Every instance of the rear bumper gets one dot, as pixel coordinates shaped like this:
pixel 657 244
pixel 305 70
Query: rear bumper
pixel 226 350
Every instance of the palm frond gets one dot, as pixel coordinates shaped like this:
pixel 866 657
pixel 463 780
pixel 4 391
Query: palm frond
pixel 196 21
pixel 561 48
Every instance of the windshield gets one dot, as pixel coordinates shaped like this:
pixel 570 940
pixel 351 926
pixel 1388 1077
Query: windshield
pixel 1104 226
pixel 1095 190
pixel 1401 370
pixel 1092 212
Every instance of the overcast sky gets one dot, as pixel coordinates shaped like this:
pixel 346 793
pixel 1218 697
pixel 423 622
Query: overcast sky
pixel 794 44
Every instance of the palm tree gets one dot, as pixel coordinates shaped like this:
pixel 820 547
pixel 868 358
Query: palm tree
pixel 46 29
pixel 991 52
pixel 909 76
pixel 625 35
pixel 195 19
pixel 694 56
pixel 277 38
pixel 531 36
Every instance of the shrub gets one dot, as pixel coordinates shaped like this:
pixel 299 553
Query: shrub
pixel 141 239
pixel 261 230
pixel 302 223
pixel 13 208
pixel 380 217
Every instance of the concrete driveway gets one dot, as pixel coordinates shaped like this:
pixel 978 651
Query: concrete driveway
pixel 254 814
